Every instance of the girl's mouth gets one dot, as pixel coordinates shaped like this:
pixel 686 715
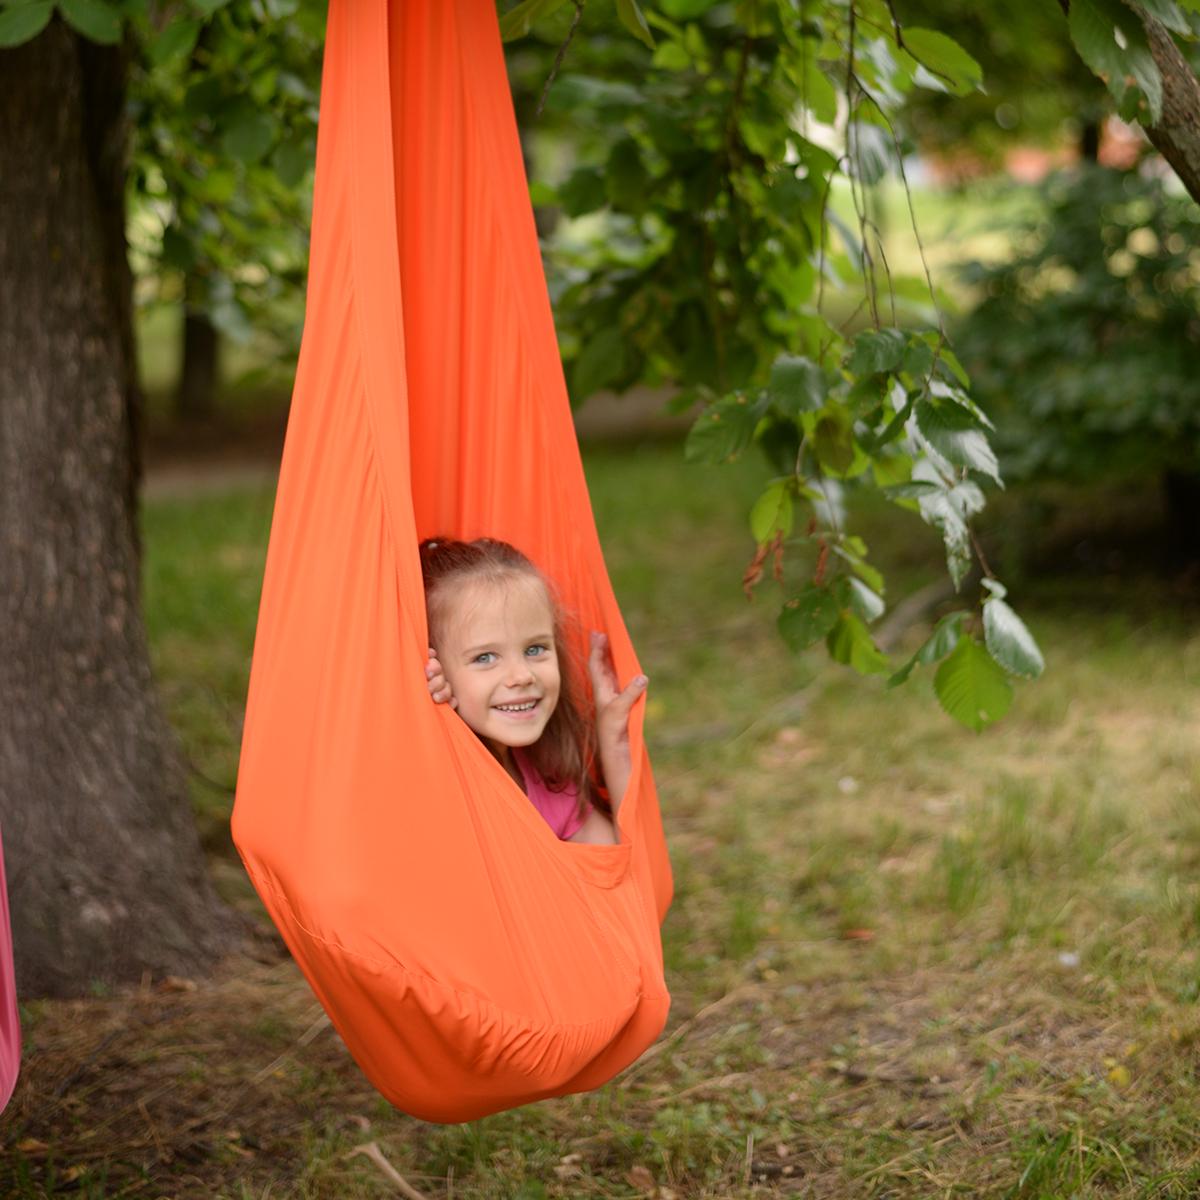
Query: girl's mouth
pixel 524 709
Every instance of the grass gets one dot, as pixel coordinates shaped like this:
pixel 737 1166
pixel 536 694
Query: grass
pixel 906 961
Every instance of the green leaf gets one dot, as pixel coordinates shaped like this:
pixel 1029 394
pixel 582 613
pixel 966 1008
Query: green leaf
pixel 797 384
pixel 250 136
pixel 877 351
pixel 582 192
pixel 807 618
pixel 863 600
pixel 955 433
pixel 972 687
pixel 918 359
pixel 857 561
pixel 175 42
pixel 948 509
pixel 833 440
pixel 208 7
pixel 850 642
pixel 913 489
pixel 891 470
pixel 19 25
pixel 945 58
pixel 600 363
pixel 672 56
pixel 97 20
pixel 721 432
pixel 517 22
pixel 634 20
pixel 1009 642
pixel 291 162
pixel 625 179
pixel 870 151
pixel 940 642
pixel 773 512
pixel 1168 13
pixel 1094 26
pixel 817 93
pixel 948 356
pixel 216 186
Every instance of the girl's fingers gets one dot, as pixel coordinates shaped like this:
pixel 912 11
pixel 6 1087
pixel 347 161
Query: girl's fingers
pixel 622 704
pixel 604 679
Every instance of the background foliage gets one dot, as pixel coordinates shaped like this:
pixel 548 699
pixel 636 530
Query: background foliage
pixel 1083 345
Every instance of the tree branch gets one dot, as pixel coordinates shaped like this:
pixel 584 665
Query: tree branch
pixel 1176 134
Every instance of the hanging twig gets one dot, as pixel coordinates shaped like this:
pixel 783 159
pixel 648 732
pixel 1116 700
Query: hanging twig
pixel 562 54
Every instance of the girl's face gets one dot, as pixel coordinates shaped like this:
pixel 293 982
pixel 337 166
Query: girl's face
pixel 495 641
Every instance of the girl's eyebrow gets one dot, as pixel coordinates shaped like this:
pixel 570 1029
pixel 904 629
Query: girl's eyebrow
pixel 537 637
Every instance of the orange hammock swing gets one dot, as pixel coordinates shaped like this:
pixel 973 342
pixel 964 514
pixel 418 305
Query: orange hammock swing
pixel 470 960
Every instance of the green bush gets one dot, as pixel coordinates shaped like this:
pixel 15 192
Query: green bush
pixel 1085 346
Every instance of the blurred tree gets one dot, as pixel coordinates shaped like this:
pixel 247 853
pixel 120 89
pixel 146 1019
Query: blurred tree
pixel 1037 86
pixel 1084 345
pixel 225 113
pixel 106 876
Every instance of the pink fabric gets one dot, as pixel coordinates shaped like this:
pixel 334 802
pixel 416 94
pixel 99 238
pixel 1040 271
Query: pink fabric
pixel 560 809
pixel 10 1029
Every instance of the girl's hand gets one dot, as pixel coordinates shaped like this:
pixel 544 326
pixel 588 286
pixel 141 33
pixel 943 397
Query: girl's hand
pixel 439 689
pixel 612 705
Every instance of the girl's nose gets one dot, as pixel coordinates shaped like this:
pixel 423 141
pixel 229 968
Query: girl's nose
pixel 519 674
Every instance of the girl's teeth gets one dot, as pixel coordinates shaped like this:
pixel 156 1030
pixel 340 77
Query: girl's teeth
pixel 516 707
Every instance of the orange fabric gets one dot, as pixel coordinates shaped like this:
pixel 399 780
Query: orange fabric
pixel 470 960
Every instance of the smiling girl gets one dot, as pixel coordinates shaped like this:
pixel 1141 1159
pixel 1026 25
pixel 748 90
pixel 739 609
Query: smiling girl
pixel 497 657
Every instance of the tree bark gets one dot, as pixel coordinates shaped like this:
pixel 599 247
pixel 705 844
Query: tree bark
pixel 105 873
pixel 1176 136
pixel 1181 491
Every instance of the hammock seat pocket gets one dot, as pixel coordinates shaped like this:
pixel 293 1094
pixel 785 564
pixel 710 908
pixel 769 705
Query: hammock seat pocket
pixel 469 959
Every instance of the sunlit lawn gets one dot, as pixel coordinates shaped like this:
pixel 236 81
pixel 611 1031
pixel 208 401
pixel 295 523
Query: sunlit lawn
pixel 907 961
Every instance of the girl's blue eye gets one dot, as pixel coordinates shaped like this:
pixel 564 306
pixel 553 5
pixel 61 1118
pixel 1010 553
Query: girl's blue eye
pixel 486 656
pixel 538 650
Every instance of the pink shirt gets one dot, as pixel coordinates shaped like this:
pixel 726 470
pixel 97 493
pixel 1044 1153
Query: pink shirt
pixel 560 809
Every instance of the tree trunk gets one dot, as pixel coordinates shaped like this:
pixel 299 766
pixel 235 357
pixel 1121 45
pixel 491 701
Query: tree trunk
pixel 1176 136
pixel 1181 490
pixel 195 399
pixel 105 873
